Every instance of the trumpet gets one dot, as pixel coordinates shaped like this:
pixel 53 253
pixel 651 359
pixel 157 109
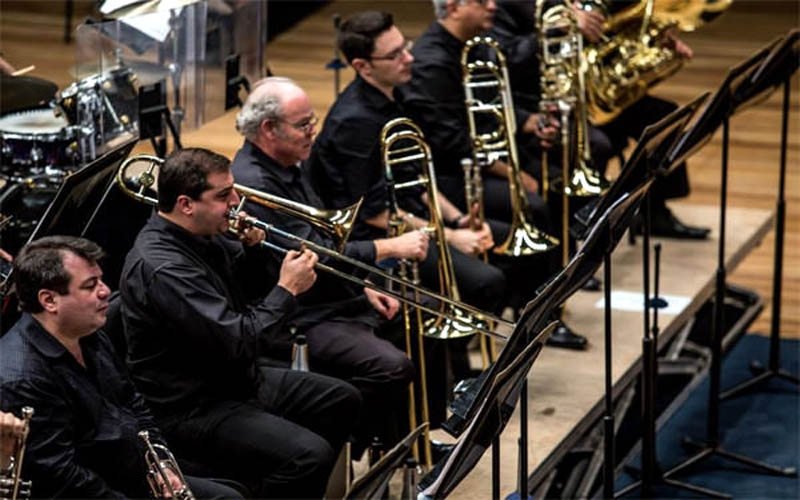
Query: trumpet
pixel 160 460
pixel 125 181
pixel 338 222
pixel 500 143
pixel 12 486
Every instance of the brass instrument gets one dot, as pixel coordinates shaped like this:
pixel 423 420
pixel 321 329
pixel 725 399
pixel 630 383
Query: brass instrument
pixel 140 186
pixel 160 460
pixel 337 222
pixel 500 143
pixel 397 225
pixel 12 486
pixel 632 57
pixel 403 143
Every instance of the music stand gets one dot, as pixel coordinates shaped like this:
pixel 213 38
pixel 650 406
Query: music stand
pixel 718 112
pixel 779 67
pixel 492 416
pixel 372 485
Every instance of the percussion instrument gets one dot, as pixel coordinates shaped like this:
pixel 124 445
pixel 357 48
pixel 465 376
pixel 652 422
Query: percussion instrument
pixel 35 139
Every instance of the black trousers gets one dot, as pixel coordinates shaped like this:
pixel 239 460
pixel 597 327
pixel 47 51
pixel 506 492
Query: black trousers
pixel 205 488
pixel 522 275
pixel 378 369
pixel 630 125
pixel 281 444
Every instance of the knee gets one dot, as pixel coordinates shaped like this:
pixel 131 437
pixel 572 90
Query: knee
pixel 313 457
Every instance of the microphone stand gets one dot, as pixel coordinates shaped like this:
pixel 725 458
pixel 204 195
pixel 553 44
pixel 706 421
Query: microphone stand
pixel 336 63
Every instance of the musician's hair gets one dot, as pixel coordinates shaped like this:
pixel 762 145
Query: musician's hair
pixel 185 172
pixel 357 34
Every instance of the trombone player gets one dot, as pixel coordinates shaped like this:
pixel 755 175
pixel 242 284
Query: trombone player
pixel 339 320
pixel 435 98
pixel 83 435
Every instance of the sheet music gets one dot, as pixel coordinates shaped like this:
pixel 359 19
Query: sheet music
pixel 634 301
pixel 155 25
pixel 110 6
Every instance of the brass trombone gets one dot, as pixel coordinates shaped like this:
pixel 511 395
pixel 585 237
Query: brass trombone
pixel 500 143
pixel 160 460
pixel 12 486
pixel 402 143
pixel 337 222
pixel 143 190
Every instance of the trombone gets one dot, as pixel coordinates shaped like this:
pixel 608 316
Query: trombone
pixel 12 486
pixel 337 222
pixel 142 186
pixel 160 460
pixel 500 143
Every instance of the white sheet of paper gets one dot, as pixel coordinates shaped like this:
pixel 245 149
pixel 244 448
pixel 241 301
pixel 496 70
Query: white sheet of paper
pixel 155 25
pixel 112 5
pixel 622 300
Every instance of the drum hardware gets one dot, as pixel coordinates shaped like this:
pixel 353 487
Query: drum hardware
pixel 36 138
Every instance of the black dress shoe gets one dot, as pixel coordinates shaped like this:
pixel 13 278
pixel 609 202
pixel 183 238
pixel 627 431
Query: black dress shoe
pixel 592 285
pixel 564 337
pixel 666 225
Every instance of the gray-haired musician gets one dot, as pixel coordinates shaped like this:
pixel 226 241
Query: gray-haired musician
pixel 82 441
pixel 194 336
pixel 339 319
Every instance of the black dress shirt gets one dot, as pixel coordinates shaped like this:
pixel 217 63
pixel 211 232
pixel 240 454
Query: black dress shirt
pixel 192 336
pixel 434 98
pixel 331 298
pixel 346 162
pixel 83 438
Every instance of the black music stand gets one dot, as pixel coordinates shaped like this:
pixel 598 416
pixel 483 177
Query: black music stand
pixel 490 420
pixel 718 112
pixel 776 70
pixel 373 484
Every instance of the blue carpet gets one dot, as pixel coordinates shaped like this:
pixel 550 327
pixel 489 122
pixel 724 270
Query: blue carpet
pixel 762 425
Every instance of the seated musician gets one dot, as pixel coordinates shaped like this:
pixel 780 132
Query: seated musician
pixel 193 337
pixel 346 161
pixel 56 359
pixel 337 318
pixel 515 28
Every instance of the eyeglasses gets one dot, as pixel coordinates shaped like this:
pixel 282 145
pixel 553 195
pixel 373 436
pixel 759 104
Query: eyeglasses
pixel 482 3
pixel 396 54
pixel 306 125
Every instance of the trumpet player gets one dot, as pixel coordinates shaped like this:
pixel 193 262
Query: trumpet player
pixel 339 320
pixel 83 435
pixel 194 334
pixel 435 97
pixel 515 28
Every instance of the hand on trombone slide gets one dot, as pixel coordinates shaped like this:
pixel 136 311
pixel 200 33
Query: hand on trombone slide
pixel 297 273
pixel 545 126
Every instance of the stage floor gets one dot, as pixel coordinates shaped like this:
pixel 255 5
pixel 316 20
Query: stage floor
pixel 565 385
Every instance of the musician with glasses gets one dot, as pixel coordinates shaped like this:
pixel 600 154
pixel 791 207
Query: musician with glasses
pixel 515 29
pixel 339 319
pixel 83 438
pixel 435 99
pixel 194 332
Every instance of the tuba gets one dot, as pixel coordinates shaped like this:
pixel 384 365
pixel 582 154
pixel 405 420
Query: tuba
pixel 403 144
pixel 160 460
pixel 632 57
pixel 490 75
pixel 12 486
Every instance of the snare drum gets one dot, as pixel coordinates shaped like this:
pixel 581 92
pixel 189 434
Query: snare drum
pixel 107 104
pixel 36 138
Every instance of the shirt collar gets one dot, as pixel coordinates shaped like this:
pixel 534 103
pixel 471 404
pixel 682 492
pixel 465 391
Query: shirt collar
pixel 44 342
pixel 189 238
pixel 269 166
pixel 373 97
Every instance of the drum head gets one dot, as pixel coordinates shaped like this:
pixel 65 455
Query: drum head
pixel 34 122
